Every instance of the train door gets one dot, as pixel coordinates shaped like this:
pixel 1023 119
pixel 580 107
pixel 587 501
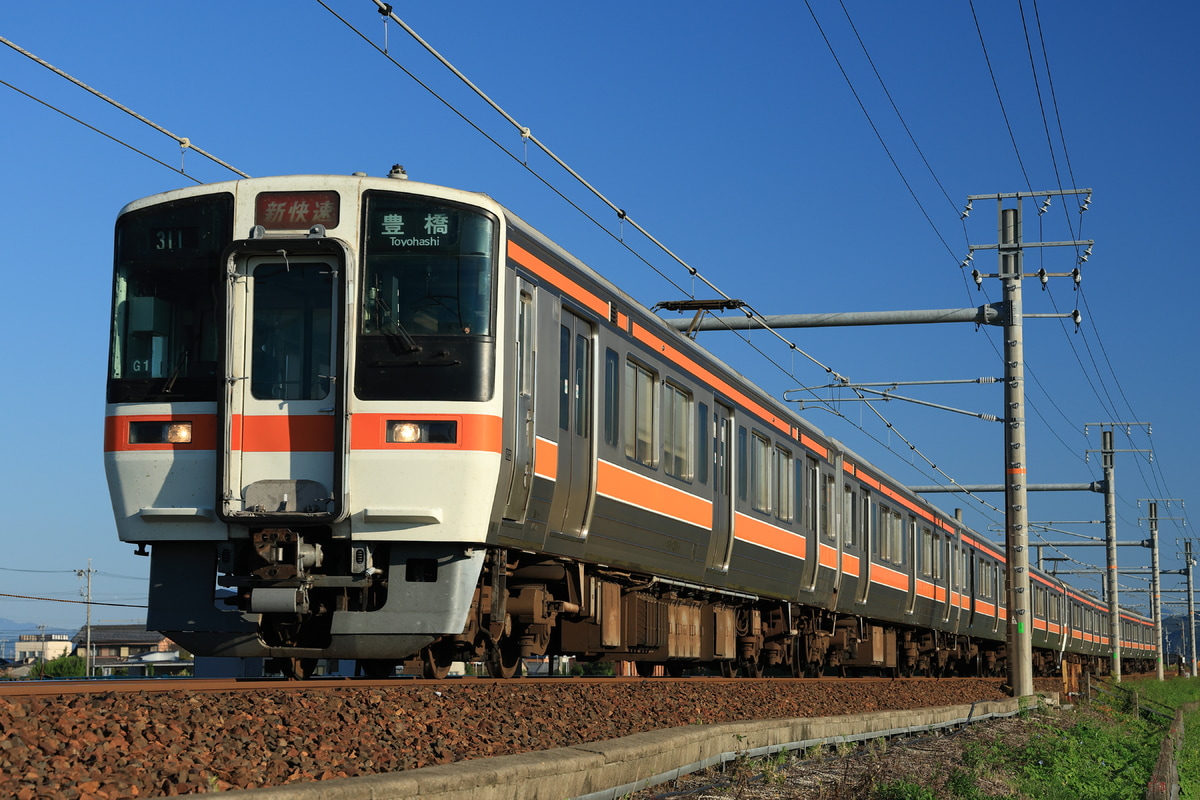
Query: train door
pixel 832 504
pixel 283 401
pixel 521 434
pixel 811 505
pixel 575 485
pixel 910 560
pixel 868 526
pixel 957 567
pixel 972 586
pixel 721 542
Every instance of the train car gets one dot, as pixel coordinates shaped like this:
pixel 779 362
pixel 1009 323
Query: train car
pixel 376 419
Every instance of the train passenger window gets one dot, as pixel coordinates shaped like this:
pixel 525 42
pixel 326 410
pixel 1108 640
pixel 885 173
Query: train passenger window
pixel 828 529
pixel 760 473
pixel 849 517
pixel 582 384
pixel 864 521
pixel 564 377
pixel 612 396
pixel 639 413
pixel 912 536
pixel 812 477
pixel 926 553
pixel 703 437
pixel 785 483
pixel 891 535
pixel 677 432
pixel 743 451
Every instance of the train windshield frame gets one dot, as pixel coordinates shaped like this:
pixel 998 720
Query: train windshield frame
pixel 426 327
pixel 166 310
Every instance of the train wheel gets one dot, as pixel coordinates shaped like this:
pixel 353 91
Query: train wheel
pixel 376 668
pixel 645 669
pixel 674 669
pixel 504 658
pixel 298 669
pixel 729 669
pixel 436 660
pixel 754 669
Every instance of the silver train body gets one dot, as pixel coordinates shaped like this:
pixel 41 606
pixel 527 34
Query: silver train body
pixel 376 419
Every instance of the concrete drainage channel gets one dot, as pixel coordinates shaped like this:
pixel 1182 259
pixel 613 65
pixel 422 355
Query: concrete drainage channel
pixel 611 769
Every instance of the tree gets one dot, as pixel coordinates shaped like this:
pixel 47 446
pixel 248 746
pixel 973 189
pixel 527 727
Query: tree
pixel 63 667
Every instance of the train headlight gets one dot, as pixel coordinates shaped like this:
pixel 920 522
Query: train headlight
pixel 421 432
pixel 160 432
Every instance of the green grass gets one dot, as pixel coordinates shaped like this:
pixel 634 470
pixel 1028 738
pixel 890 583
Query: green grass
pixel 1175 693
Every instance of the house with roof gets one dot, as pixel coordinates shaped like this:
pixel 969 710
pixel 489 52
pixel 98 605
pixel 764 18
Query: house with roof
pixel 130 650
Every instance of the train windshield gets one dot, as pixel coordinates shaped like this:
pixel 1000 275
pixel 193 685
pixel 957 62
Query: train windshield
pixel 426 325
pixel 428 269
pixel 165 301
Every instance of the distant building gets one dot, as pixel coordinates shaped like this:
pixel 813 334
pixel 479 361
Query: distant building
pixel 42 646
pixel 117 647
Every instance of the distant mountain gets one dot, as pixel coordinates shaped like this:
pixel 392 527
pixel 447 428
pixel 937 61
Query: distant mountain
pixel 11 630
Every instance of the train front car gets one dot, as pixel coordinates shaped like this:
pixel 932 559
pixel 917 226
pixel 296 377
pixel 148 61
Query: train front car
pixel 302 420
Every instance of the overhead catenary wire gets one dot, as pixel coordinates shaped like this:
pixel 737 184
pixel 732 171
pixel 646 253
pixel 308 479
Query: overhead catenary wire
pixel 386 11
pixel 183 141
pixel 102 133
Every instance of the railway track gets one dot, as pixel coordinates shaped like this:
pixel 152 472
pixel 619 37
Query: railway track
pixel 135 738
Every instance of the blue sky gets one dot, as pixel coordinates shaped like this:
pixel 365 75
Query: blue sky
pixel 732 135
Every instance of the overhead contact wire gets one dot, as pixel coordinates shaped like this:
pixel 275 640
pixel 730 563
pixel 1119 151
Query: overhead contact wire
pixel 386 11
pixel 183 141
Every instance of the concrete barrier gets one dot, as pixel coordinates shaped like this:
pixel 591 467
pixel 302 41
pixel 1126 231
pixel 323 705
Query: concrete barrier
pixel 610 769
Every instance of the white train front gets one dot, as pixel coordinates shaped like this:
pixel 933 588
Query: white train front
pixel 369 418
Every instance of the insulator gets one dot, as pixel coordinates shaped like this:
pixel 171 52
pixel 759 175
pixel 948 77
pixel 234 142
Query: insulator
pixel 978 277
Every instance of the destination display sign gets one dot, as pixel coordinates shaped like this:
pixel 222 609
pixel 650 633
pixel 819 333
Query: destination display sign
pixel 396 226
pixel 296 210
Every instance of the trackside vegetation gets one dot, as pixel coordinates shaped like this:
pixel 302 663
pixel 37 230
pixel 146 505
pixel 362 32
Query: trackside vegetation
pixel 1102 749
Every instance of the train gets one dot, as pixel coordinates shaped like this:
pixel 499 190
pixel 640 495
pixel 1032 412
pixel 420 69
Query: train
pixel 369 418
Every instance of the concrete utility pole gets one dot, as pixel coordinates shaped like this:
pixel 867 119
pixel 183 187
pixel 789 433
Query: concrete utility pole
pixel 1010 246
pixel 1108 454
pixel 1016 528
pixel 87 658
pixel 1156 590
pixel 1191 604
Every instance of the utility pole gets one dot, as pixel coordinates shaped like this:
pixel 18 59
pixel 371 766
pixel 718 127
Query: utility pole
pixel 87 661
pixel 1108 454
pixel 1156 583
pixel 1010 246
pixel 1191 604
pixel 1016 536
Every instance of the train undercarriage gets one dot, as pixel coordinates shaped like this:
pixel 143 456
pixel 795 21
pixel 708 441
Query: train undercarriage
pixel 528 605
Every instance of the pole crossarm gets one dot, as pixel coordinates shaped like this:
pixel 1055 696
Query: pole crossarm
pixel 886 397
pixel 992 314
pixel 1094 486
pixel 1092 542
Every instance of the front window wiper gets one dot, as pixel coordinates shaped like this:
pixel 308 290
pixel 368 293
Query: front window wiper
pixel 395 332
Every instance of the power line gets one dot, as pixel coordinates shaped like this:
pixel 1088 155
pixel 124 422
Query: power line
pixel 184 142
pixel 72 602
